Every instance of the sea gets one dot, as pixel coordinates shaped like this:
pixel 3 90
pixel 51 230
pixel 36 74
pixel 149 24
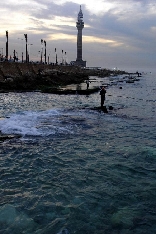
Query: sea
pixel 70 168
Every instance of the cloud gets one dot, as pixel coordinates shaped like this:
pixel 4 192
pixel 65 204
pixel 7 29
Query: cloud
pixel 126 28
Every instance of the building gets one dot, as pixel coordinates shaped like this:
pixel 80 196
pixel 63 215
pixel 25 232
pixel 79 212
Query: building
pixel 80 26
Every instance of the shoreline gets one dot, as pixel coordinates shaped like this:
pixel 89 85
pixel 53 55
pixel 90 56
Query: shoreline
pixel 23 77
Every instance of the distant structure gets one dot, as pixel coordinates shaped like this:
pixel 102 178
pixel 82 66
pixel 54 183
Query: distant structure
pixel 80 26
pixel 6 46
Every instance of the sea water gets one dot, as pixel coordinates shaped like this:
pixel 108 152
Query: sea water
pixel 75 169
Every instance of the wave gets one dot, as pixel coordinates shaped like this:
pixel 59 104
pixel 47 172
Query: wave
pixel 40 123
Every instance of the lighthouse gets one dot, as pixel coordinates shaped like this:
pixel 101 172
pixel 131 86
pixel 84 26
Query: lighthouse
pixel 80 26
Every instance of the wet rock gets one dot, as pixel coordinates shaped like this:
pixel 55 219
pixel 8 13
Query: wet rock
pixel 123 218
pixel 11 218
pixel 101 109
pixel 64 231
pixel 111 108
pixel 40 219
pixel 70 91
pixel 4 137
pixel 104 109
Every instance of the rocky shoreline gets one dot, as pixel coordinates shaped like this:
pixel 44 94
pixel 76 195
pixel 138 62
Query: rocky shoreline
pixel 16 77
pixel 30 77
pixel 45 78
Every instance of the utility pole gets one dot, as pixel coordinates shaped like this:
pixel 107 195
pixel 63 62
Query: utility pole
pixel 65 58
pixel 45 53
pixel 41 49
pixel 6 46
pixel 26 40
pixel 56 62
pixel 62 57
pixel 14 55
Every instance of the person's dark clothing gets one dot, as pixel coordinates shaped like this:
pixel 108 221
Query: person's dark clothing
pixel 102 93
pixel 87 82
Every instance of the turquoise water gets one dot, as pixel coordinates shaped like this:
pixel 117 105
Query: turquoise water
pixel 75 169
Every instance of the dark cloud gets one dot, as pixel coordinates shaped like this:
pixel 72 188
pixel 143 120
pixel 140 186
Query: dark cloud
pixel 51 9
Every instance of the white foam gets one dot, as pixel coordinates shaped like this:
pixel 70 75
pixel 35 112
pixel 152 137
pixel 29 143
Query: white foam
pixel 39 123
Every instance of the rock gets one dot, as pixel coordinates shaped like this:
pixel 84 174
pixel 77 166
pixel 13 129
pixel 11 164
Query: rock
pixel 110 108
pixel 64 231
pixel 123 218
pixel 4 137
pixel 39 219
pixel 30 76
pixel 11 218
pixel 9 79
pixel 104 109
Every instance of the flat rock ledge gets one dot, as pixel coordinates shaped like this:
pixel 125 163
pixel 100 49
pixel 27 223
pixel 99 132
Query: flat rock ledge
pixel 71 91
pixel 103 109
pixel 4 137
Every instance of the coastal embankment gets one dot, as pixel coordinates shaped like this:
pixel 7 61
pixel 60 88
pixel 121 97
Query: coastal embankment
pixel 44 77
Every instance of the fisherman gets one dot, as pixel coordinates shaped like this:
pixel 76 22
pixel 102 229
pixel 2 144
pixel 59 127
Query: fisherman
pixel 87 82
pixel 102 93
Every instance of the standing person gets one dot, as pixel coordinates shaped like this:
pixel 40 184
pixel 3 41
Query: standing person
pixel 102 93
pixel 87 82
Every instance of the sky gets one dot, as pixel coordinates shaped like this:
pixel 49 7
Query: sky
pixel 117 33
